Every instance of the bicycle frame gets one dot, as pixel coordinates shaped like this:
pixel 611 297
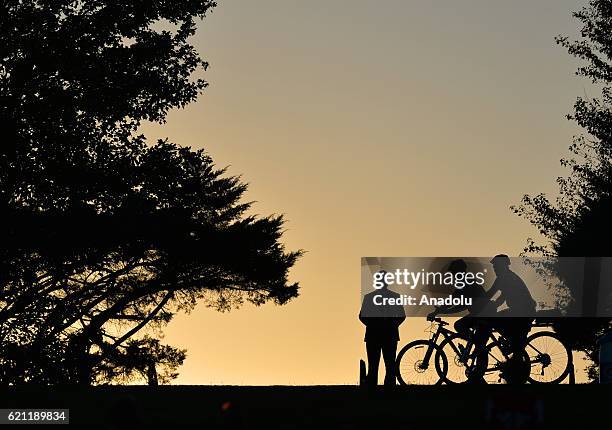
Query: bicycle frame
pixel 435 335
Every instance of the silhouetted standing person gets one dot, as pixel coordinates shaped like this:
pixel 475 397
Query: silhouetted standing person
pixel 382 321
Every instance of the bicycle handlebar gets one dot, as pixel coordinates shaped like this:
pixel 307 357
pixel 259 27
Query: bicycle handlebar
pixel 440 321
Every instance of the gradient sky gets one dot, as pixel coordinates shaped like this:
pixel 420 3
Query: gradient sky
pixel 387 128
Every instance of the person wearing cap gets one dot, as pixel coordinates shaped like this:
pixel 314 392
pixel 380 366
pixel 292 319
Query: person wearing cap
pixel 514 322
pixel 513 291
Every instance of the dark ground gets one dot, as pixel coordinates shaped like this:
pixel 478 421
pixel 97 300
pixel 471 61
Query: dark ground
pixel 322 407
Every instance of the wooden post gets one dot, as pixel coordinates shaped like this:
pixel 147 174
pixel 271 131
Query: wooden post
pixel 362 373
pixel 572 371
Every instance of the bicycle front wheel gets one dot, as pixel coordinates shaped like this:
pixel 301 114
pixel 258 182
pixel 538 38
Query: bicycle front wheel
pixel 549 357
pixel 415 364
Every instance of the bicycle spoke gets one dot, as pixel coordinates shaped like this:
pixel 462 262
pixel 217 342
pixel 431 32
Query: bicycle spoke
pixel 549 358
pixel 412 367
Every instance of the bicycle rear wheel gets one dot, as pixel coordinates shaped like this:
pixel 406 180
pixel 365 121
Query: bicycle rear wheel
pixel 415 364
pixel 550 359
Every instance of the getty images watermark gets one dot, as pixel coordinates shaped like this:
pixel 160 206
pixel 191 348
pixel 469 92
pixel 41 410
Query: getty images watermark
pixel 489 286
pixel 412 280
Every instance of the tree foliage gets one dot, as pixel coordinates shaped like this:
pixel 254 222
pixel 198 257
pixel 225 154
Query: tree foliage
pixel 107 235
pixel 577 222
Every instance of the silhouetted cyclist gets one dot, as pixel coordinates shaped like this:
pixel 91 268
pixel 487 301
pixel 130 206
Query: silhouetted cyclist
pixel 382 323
pixel 471 324
pixel 514 322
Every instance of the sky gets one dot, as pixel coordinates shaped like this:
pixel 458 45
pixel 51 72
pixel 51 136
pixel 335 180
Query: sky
pixel 388 128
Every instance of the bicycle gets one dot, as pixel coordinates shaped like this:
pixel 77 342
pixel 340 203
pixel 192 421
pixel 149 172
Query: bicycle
pixel 546 359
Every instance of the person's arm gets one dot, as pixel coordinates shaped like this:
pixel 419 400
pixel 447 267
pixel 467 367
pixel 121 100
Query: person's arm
pixel 364 320
pixel 494 290
pixel 400 315
pixel 445 310
pixel 499 301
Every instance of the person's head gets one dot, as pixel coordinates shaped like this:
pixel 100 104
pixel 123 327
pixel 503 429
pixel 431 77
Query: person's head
pixel 457 266
pixel 501 264
pixel 383 274
pixel 379 279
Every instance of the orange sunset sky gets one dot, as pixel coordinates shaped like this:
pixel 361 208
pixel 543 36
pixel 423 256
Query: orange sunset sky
pixel 388 128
